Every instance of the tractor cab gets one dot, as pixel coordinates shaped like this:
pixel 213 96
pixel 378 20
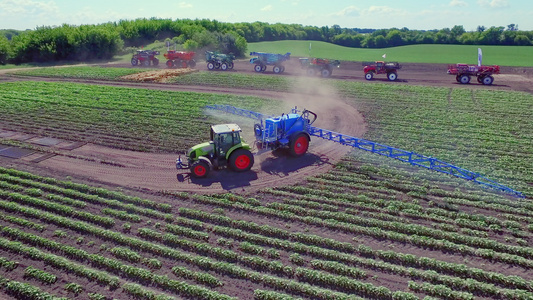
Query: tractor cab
pixel 224 137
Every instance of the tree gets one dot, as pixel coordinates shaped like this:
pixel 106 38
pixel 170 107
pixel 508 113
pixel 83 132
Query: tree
pixel 381 42
pixel 512 27
pixel 480 28
pixel 522 40
pixel 394 38
pixel 491 36
pixel 4 50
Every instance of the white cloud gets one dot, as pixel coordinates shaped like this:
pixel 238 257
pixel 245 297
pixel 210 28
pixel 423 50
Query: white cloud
pixel 267 8
pixel 27 8
pixel 494 3
pixel 184 5
pixel 459 3
pixel 350 11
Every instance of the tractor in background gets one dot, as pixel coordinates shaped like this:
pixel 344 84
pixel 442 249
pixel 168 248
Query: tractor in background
pixel 269 59
pixel 145 58
pixel 321 66
pixel 228 149
pixel 463 72
pixel 381 67
pixel 180 59
pixel 217 60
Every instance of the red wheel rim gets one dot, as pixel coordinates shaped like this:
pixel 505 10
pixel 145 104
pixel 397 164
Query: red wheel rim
pixel 300 147
pixel 200 170
pixel 242 162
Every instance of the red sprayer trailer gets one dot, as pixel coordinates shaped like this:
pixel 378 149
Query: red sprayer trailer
pixel 180 59
pixel 463 72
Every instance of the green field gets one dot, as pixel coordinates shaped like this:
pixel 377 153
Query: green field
pixel 128 118
pixel 370 228
pixel 445 54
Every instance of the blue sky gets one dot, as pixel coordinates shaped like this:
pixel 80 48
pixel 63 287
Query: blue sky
pixel 424 15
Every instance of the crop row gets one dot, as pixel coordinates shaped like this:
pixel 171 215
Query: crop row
pixel 281 239
pixel 201 261
pixel 21 290
pixel 377 232
pixel 112 265
pixel 85 192
pixel 70 193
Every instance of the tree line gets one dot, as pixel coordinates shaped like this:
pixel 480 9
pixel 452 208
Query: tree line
pixel 103 41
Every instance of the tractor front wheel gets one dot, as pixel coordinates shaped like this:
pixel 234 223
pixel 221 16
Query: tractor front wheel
pixel 282 69
pixel 230 65
pixel 192 63
pixel 241 160
pixel 369 76
pixel 392 76
pixel 311 72
pixel 458 78
pixel 488 80
pixel 299 145
pixel 134 61
pixel 170 64
pixel 224 66
pixel 465 79
pixel 155 62
pixel 200 169
pixel 146 63
pixel 277 69
pixel 210 66
pixel 258 68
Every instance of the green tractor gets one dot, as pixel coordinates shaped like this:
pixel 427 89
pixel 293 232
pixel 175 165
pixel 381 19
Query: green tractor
pixel 226 149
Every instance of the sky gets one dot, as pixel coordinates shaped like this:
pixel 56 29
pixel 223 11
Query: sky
pixel 375 14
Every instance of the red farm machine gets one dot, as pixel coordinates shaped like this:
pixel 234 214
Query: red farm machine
pixel 145 58
pixel 269 59
pixel 180 59
pixel 320 66
pixel 381 67
pixel 219 61
pixel 463 73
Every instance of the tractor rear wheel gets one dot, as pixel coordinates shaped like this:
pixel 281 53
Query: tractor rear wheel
pixel 230 65
pixel 311 72
pixel 465 79
pixel 155 62
pixel 277 69
pixel 299 145
pixel 146 63
pixel 170 64
pixel 263 68
pixel 217 65
pixel 282 69
pixel 458 78
pixel 241 160
pixel 369 75
pixel 134 61
pixel 325 73
pixel 488 80
pixel 192 63
pixel 200 169
pixel 210 66
pixel 258 68
pixel 392 76
pixel 224 66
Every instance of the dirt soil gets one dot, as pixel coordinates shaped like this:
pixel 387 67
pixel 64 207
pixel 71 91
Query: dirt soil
pixel 156 172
